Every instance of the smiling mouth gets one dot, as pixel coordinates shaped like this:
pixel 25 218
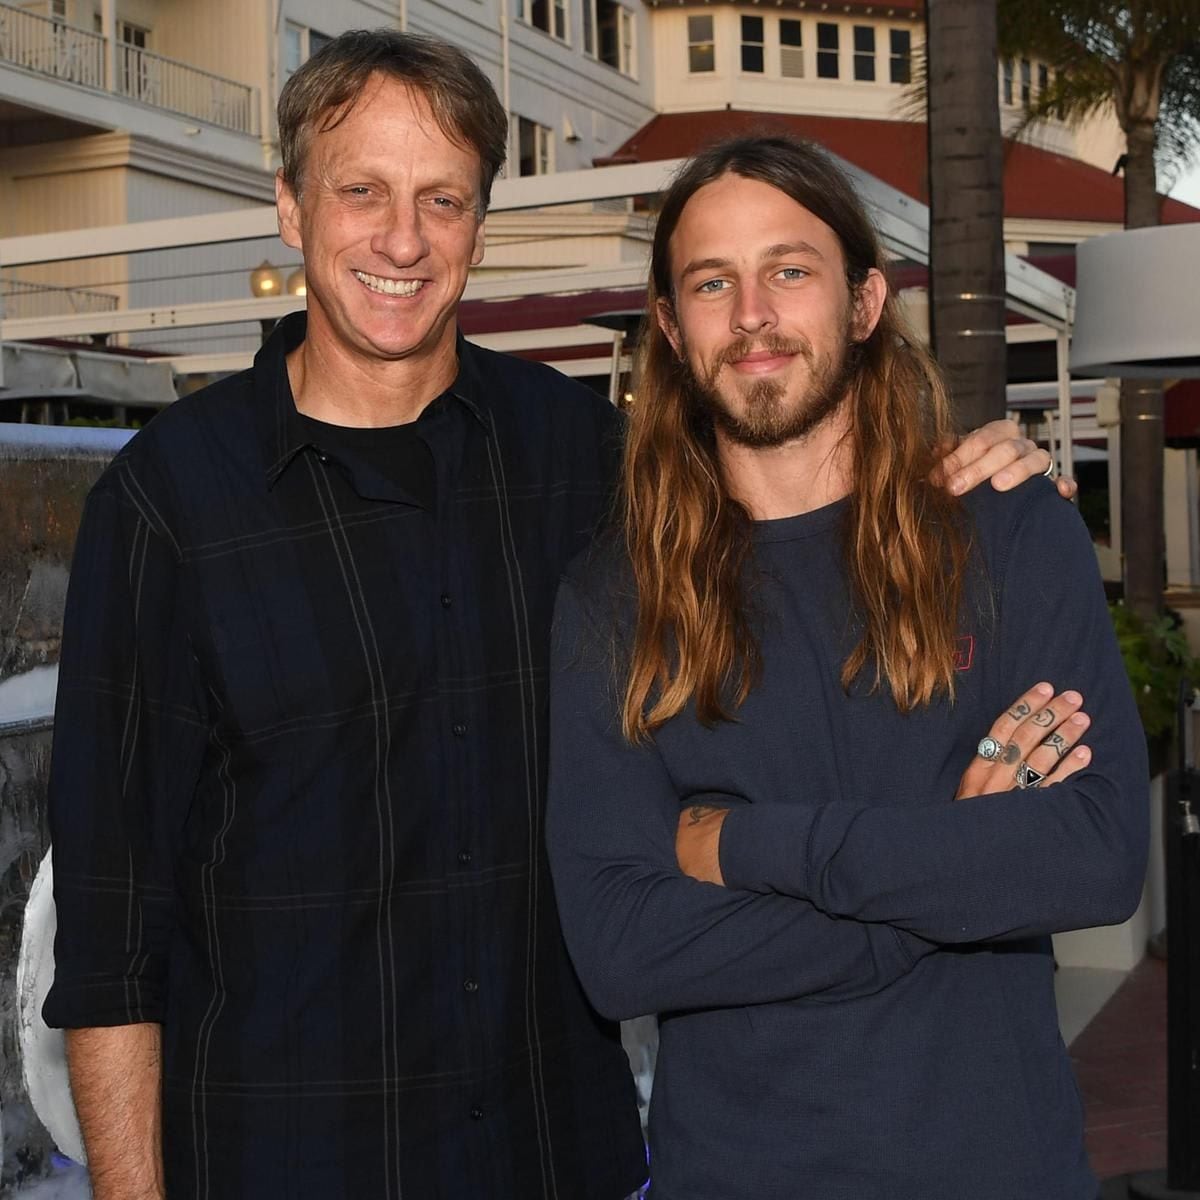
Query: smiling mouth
pixel 389 287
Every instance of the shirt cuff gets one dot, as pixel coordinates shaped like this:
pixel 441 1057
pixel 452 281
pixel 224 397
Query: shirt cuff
pixel 98 1004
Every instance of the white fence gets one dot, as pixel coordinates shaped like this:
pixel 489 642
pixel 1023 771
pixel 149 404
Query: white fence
pixel 74 55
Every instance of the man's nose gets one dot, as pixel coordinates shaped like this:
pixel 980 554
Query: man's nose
pixel 400 236
pixel 752 309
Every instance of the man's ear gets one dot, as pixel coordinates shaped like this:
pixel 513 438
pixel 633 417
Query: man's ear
pixel 868 304
pixel 664 313
pixel 287 209
pixel 477 249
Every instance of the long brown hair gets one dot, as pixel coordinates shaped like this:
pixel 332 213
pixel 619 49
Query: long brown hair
pixel 690 542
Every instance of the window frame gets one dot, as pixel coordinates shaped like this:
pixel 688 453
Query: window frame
pixel 543 146
pixel 699 43
pixel 792 52
pixel 894 57
pixel 558 15
pixel 865 59
pixel 759 46
pixel 824 52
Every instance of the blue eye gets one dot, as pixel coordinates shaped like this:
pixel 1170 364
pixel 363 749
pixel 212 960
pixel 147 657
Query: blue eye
pixel 793 274
pixel 712 285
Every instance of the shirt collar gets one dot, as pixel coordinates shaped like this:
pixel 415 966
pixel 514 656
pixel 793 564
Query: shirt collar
pixel 287 435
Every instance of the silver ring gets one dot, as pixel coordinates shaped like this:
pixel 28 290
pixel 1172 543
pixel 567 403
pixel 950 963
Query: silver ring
pixel 1049 471
pixel 1027 777
pixel 989 749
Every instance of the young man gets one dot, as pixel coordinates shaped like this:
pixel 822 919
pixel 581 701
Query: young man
pixel 798 641
pixel 306 932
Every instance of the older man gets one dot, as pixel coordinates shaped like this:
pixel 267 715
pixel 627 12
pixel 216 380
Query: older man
pixel 307 942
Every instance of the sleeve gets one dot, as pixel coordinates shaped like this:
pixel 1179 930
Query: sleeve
pixel 1013 864
pixel 129 738
pixel 644 937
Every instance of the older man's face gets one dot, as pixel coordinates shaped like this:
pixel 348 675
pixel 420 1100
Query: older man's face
pixel 388 222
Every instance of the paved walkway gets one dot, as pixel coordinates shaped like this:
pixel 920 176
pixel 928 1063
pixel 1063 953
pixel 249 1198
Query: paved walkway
pixel 1121 1064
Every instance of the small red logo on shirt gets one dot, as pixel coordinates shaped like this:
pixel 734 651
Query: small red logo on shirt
pixel 964 653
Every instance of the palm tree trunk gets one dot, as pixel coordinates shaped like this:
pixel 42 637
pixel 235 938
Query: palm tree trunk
pixel 1142 515
pixel 966 200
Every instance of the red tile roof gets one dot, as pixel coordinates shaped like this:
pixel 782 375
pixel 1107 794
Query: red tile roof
pixel 832 8
pixel 1037 183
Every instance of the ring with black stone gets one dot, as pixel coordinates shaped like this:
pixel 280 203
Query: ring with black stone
pixel 1027 777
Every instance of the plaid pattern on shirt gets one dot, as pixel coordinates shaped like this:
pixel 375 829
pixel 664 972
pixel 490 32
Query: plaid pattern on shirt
pixel 297 796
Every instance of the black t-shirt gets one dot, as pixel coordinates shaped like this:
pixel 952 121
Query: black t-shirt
pixel 397 452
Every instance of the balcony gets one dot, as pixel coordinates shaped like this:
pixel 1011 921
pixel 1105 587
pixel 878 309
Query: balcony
pixel 60 51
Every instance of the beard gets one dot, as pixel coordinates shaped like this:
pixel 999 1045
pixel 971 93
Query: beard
pixel 768 416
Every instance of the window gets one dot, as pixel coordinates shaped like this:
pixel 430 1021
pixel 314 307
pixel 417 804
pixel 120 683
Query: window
pixel 1006 89
pixel 299 45
pixel 864 53
pixel 57 10
pixel 608 34
pixel 550 16
pixel 535 148
pixel 791 50
pixel 901 58
pixel 827 51
pixel 1043 77
pixel 702 55
pixel 1026 76
pixel 752 45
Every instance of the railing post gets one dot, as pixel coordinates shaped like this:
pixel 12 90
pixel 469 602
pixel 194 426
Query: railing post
pixel 108 28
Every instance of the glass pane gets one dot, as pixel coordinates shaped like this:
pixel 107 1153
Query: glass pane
pixel 752 29
pixel 789 33
pixel 752 59
pixel 827 36
pixel 560 19
pixel 316 41
pixel 864 69
pixel 701 58
pixel 864 39
pixel 901 42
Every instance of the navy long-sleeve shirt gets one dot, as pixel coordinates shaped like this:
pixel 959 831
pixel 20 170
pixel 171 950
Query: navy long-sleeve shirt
pixel 866 1011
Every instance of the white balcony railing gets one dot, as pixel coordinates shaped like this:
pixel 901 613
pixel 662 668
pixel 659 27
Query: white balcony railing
pixel 166 83
pixel 74 55
pixel 21 299
pixel 51 47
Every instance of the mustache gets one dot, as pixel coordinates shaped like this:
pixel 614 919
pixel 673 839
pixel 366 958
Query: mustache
pixel 771 343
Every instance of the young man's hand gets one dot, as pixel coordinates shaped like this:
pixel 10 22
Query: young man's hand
pixel 998 452
pixel 1033 744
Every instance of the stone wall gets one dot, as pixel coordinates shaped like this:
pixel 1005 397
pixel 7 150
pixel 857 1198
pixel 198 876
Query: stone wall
pixel 45 474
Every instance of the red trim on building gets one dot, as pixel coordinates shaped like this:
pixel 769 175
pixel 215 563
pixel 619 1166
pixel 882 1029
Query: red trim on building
pixel 1037 183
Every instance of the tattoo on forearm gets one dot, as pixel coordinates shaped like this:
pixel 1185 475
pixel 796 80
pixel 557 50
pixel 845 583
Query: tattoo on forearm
pixel 1044 719
pixel 697 812
pixel 1057 743
pixel 1019 711
pixel 1010 754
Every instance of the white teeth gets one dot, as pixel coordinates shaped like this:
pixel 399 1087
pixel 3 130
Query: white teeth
pixel 389 287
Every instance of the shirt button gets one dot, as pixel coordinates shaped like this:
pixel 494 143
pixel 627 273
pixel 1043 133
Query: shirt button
pixel 477 1114
pixel 446 601
pixel 469 985
pixel 464 857
pixel 323 458
pixel 459 729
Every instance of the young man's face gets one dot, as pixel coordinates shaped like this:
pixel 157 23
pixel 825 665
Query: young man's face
pixel 763 316
pixel 388 222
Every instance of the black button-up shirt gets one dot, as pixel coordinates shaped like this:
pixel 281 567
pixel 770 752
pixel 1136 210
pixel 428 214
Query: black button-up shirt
pixel 297 796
